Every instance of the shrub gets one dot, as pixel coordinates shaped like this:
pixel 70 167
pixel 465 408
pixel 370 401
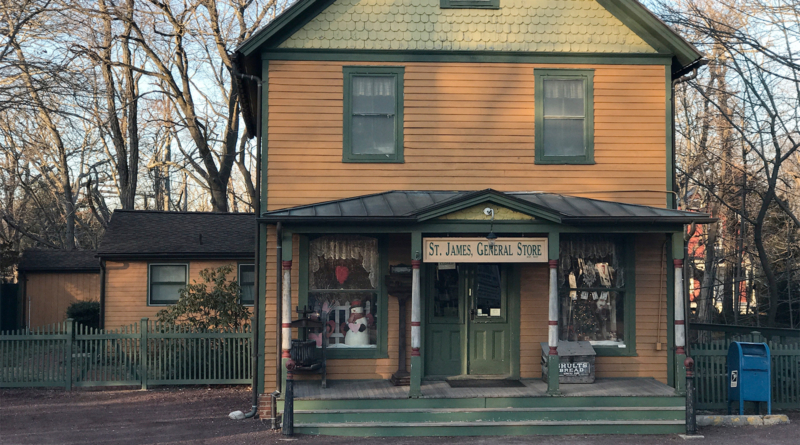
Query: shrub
pixel 211 304
pixel 86 313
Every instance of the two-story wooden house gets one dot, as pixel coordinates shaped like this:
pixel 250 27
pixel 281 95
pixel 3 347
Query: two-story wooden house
pixel 512 162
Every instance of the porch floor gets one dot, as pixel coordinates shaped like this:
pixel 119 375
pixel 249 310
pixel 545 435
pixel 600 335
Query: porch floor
pixel 439 389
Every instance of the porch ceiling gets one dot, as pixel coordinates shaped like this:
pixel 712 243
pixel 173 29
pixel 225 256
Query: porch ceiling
pixel 418 206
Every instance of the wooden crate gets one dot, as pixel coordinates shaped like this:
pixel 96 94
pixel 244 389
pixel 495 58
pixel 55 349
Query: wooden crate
pixel 576 362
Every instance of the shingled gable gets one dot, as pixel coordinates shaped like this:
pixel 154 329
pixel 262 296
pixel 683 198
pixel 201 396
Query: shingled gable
pixel 533 26
pixel 178 235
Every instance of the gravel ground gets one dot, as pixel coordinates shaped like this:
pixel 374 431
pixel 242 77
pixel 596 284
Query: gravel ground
pixel 199 415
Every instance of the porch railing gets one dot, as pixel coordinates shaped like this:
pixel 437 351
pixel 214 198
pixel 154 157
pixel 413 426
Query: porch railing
pixel 146 353
pixel 710 353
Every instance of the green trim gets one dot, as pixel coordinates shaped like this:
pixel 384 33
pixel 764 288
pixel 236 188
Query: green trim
pixel 284 25
pixel 287 252
pixel 347 120
pixel 382 347
pixel 553 375
pixel 239 265
pixel 342 55
pixel 553 245
pixel 514 303
pixel 502 228
pixel 491 402
pixel 263 174
pixel 149 284
pixel 670 119
pixel 670 315
pixel 652 30
pixel 541 75
pixel 469 4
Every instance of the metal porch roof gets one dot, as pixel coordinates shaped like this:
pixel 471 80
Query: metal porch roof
pixel 410 205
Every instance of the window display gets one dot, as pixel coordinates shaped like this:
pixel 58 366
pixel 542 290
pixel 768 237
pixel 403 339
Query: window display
pixel 591 277
pixel 343 282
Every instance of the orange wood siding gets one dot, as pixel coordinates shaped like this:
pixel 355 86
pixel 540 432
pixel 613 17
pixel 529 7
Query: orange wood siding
pixel 467 127
pixel 51 293
pixel 126 289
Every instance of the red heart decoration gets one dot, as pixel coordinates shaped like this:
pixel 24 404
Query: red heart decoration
pixel 341 274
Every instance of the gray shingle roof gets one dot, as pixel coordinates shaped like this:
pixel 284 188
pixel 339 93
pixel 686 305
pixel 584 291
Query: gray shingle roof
pixel 42 260
pixel 152 234
pixel 410 205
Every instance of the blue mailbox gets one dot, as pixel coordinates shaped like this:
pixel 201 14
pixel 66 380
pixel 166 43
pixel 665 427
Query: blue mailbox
pixel 749 376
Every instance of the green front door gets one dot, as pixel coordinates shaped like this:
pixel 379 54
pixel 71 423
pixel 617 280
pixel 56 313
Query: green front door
pixel 468 323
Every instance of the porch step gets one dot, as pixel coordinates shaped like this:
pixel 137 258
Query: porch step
pixel 454 421
pixel 356 416
pixel 507 428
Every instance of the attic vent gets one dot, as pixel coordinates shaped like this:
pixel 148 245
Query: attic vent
pixel 469 4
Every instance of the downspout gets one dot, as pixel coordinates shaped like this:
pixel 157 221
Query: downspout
pixel 102 294
pixel 278 307
pixel 257 316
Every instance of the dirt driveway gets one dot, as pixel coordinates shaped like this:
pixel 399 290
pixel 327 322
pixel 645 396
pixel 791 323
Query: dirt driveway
pixel 199 415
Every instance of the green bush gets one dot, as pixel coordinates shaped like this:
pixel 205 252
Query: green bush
pixel 212 304
pixel 86 313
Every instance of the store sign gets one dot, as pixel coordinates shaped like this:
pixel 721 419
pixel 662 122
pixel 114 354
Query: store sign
pixel 479 250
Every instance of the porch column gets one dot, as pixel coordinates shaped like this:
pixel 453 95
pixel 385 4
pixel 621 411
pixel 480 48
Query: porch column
pixel 552 331
pixel 416 334
pixel 286 316
pixel 680 328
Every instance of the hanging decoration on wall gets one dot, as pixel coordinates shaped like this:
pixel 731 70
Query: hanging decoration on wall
pixel 342 273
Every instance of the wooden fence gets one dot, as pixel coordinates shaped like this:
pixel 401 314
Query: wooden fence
pixel 711 373
pixel 146 353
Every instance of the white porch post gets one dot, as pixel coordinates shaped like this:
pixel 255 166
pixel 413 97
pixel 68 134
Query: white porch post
pixel 552 331
pixel 680 328
pixel 286 306
pixel 416 334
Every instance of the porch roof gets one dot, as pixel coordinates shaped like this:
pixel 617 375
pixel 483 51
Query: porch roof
pixel 417 206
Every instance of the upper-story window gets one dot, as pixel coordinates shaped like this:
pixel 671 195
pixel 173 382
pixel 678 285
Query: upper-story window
pixel 469 4
pixel 564 116
pixel 373 114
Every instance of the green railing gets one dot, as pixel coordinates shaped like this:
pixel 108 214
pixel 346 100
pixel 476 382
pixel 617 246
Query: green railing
pixel 146 353
pixel 711 356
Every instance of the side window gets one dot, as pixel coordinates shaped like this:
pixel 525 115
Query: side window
pixel 165 282
pixel 247 283
pixel 373 114
pixel 564 116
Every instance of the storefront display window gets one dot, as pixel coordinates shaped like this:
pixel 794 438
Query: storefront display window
pixel 592 290
pixel 344 284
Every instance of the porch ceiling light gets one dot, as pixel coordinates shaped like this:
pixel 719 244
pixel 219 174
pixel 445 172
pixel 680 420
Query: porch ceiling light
pixel 492 237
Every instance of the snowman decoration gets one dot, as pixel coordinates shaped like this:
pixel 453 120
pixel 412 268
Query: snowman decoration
pixel 356 326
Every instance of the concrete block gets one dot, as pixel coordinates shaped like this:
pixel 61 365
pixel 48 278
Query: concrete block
pixel 742 420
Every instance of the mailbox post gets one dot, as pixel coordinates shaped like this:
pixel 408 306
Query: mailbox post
pixel 749 375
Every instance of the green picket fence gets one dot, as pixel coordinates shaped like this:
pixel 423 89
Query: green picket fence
pixel 146 353
pixel 711 378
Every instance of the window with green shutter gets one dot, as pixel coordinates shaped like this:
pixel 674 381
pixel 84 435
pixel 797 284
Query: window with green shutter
pixel 373 114
pixel 564 112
